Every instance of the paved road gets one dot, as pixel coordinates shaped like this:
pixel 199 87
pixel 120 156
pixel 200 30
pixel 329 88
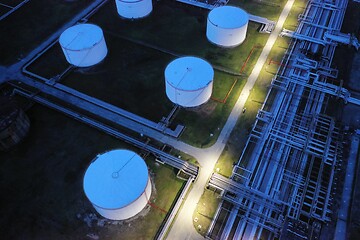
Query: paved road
pixel 207 158
pixel 183 225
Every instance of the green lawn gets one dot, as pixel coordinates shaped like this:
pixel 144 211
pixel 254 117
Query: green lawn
pixel 51 63
pixel 240 134
pixel 31 24
pixel 205 211
pixel 263 8
pixel 42 183
pixel 180 29
pixel 3 10
pixel 131 76
pixel 204 124
pixel 291 22
pixel 134 83
pixel 175 28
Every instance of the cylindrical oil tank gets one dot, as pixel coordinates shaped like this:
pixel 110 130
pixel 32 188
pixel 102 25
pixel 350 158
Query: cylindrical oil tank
pixel 189 81
pixel 117 183
pixel 14 124
pixel 227 26
pixel 132 9
pixel 83 45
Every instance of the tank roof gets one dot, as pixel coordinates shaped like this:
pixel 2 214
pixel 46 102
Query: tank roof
pixel 115 179
pixel 81 36
pixel 189 73
pixel 228 17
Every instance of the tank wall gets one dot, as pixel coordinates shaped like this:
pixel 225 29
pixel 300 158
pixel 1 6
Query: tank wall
pixel 189 98
pixel 15 132
pixel 86 57
pixel 225 37
pixel 134 9
pixel 129 210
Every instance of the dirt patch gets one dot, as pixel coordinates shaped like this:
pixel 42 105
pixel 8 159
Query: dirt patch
pixel 204 110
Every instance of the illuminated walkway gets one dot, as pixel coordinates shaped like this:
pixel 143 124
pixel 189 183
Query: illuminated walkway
pixel 207 158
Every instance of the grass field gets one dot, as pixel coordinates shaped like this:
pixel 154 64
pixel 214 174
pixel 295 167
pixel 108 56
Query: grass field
pixel 205 211
pixel 41 182
pixel 298 8
pixel 180 29
pixel 264 8
pixel 7 5
pixel 31 24
pixel 131 76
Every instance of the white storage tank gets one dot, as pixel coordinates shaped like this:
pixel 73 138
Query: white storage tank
pixel 83 45
pixel 134 8
pixel 227 26
pixel 117 183
pixel 189 81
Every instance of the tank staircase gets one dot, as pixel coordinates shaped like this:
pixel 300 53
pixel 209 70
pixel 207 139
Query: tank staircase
pixel 267 25
pixel 108 126
pixel 166 121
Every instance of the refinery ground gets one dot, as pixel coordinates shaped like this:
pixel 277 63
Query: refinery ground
pixel 183 227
